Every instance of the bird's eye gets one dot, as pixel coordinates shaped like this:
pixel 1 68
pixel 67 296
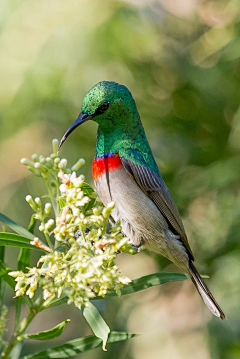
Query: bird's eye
pixel 103 107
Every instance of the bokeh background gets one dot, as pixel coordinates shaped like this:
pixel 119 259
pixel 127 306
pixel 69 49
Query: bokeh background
pixel 180 59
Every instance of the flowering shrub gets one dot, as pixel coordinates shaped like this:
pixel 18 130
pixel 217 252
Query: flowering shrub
pixel 80 262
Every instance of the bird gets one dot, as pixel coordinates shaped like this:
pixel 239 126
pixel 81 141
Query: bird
pixel 125 171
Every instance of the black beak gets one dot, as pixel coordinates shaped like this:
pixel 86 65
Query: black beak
pixel 83 117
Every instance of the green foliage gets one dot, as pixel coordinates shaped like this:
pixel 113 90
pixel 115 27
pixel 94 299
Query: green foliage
pixel 96 322
pixel 73 347
pixel 47 334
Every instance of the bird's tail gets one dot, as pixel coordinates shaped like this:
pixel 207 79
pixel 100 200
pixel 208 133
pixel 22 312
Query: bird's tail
pixel 205 292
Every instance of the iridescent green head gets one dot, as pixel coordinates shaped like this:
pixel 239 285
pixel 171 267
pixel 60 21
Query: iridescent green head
pixel 107 99
pixel 109 104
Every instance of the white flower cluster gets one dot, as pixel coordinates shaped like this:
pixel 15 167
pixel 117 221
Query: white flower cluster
pixel 82 265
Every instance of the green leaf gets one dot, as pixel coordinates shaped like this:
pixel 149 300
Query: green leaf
pixel 76 346
pixel 16 351
pixel 16 227
pixel 48 334
pixel 15 240
pixel 17 244
pixel 85 187
pixel 97 323
pixel 4 275
pixel 62 203
pixel 24 254
pixel 2 253
pixel 24 259
pixel 88 205
pixel 32 224
pixel 13 236
pixel 148 281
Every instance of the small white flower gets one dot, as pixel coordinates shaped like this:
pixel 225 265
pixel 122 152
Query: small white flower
pixel 77 181
pixel 63 188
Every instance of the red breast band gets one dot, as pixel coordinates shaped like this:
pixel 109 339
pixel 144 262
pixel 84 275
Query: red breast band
pixel 107 164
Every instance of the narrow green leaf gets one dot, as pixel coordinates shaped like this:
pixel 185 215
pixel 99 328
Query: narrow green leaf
pixel 97 323
pixel 14 237
pixel 15 353
pixel 76 346
pixel 2 253
pixel 24 259
pixel 48 334
pixel 15 240
pixel 24 254
pixel 4 275
pixel 32 224
pixel 148 281
pixel 4 242
pixel 16 227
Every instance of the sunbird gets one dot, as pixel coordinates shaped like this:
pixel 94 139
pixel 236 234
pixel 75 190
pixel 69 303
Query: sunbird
pixel 124 171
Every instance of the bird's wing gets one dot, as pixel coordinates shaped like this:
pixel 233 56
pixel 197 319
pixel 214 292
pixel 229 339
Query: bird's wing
pixel 154 187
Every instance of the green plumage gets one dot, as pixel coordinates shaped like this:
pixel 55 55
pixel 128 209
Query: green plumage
pixel 120 129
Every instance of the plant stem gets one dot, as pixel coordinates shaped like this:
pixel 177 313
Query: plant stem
pixel 48 240
pixel 33 311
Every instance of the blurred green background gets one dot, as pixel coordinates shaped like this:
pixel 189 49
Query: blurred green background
pixel 180 60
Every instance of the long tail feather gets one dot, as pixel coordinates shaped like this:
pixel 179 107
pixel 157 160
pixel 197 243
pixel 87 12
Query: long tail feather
pixel 205 292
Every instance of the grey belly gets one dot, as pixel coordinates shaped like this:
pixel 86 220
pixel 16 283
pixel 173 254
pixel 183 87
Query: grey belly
pixel 141 220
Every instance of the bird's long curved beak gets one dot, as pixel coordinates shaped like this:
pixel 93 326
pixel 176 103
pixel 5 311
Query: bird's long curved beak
pixel 83 117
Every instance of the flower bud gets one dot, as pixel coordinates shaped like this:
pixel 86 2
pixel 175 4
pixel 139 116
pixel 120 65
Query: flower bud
pixel 26 162
pixel 56 160
pixel 78 164
pixel 110 206
pixel 38 202
pixel 62 163
pixel 49 224
pixel 42 160
pixel 14 274
pixel 31 202
pixel 35 157
pixel 41 228
pixel 40 167
pixel 63 229
pixel 53 155
pixel 55 144
pixel 95 211
pixel 68 217
pixel 34 171
pixel 47 208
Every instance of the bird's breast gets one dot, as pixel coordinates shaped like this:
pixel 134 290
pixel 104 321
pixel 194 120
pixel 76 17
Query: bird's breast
pixel 105 164
pixel 140 218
